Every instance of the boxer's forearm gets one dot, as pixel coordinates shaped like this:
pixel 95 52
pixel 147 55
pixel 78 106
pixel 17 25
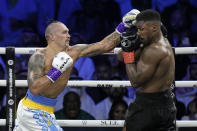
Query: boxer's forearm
pixel 119 55
pixel 106 45
pixel 137 54
pixel 111 41
pixel 40 85
pixel 131 70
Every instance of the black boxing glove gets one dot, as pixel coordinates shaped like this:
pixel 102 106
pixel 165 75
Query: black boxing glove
pixel 129 41
pixel 164 30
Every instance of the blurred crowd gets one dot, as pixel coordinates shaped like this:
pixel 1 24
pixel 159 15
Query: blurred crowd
pixel 23 24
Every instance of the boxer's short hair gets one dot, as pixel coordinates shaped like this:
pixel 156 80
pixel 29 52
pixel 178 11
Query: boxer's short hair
pixel 148 15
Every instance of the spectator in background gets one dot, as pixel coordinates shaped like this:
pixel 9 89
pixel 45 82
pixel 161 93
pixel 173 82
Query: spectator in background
pixel 71 108
pixel 118 110
pixel 97 18
pixel 87 104
pixel 66 8
pixel 177 22
pixel 104 106
pixel 45 14
pixel 30 38
pixel 15 17
pixel 117 67
pixel 103 72
pixel 191 115
pixel 187 94
pixel 191 110
pixel 119 73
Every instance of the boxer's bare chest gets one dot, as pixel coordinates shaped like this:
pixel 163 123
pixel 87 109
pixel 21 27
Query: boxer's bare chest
pixel 59 85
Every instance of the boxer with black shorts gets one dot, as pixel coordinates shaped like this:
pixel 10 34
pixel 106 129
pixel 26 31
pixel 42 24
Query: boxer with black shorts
pixel 150 66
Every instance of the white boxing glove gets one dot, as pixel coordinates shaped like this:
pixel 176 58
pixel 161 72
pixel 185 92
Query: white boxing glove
pixel 127 21
pixel 60 63
pixel 129 18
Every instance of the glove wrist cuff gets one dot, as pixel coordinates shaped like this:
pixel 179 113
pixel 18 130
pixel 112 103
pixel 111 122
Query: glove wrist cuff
pixel 121 28
pixel 129 57
pixel 53 74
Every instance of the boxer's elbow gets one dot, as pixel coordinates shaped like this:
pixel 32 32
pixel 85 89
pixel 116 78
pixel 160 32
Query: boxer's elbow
pixel 40 85
pixel 36 87
pixel 119 56
pixel 33 89
pixel 135 84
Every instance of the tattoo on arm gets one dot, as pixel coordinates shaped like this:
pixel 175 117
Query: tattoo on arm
pixel 35 68
pixel 114 38
pixel 107 44
pixel 89 49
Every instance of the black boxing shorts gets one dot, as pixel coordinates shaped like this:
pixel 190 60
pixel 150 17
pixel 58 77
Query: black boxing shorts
pixel 152 112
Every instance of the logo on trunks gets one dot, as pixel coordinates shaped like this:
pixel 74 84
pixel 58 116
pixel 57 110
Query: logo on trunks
pixel 10 102
pixel 195 50
pixel 10 62
pixel 84 122
pixel 64 63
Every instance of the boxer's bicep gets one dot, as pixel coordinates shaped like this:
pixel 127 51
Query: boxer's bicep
pixel 148 64
pixel 35 68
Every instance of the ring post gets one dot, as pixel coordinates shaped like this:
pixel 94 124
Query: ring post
pixel 11 91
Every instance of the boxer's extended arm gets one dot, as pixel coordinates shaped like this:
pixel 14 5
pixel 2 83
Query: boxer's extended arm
pixel 106 45
pixel 37 81
pixel 145 68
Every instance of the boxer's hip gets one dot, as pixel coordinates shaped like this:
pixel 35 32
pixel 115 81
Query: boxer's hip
pixel 164 98
pixel 39 102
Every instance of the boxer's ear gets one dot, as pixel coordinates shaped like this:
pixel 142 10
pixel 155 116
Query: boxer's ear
pixel 154 26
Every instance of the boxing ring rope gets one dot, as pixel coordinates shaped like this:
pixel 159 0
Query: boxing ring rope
pixel 105 123
pixel 178 50
pixel 93 83
pixel 103 83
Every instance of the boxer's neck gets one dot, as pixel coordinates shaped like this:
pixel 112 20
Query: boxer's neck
pixel 54 49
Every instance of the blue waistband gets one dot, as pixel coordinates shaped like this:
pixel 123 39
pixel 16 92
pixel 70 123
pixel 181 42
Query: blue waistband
pixel 41 99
